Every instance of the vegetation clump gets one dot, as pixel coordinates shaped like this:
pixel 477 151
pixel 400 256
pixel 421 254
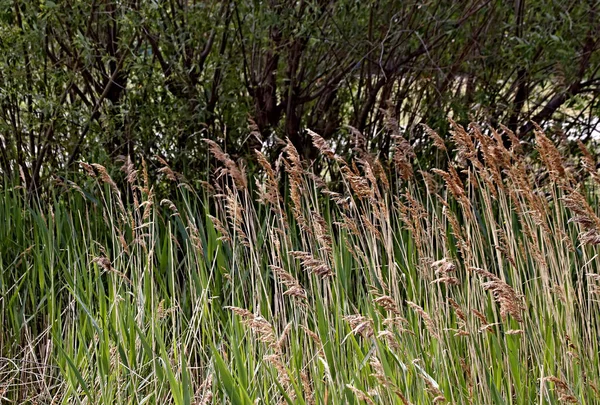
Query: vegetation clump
pixel 473 283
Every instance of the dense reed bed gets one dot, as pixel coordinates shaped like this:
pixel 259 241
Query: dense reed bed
pixel 476 283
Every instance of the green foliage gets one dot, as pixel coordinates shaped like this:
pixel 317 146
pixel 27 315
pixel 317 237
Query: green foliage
pixel 94 80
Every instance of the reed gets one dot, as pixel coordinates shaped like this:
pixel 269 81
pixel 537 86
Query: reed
pixel 469 284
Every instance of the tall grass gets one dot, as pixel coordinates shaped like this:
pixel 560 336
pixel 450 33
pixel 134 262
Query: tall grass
pixel 476 284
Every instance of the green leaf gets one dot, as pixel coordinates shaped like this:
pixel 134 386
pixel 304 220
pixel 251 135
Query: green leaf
pixel 236 394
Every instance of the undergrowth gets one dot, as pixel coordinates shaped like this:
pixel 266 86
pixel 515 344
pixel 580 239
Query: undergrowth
pixel 476 284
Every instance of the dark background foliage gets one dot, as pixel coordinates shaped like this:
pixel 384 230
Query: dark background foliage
pixel 94 80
